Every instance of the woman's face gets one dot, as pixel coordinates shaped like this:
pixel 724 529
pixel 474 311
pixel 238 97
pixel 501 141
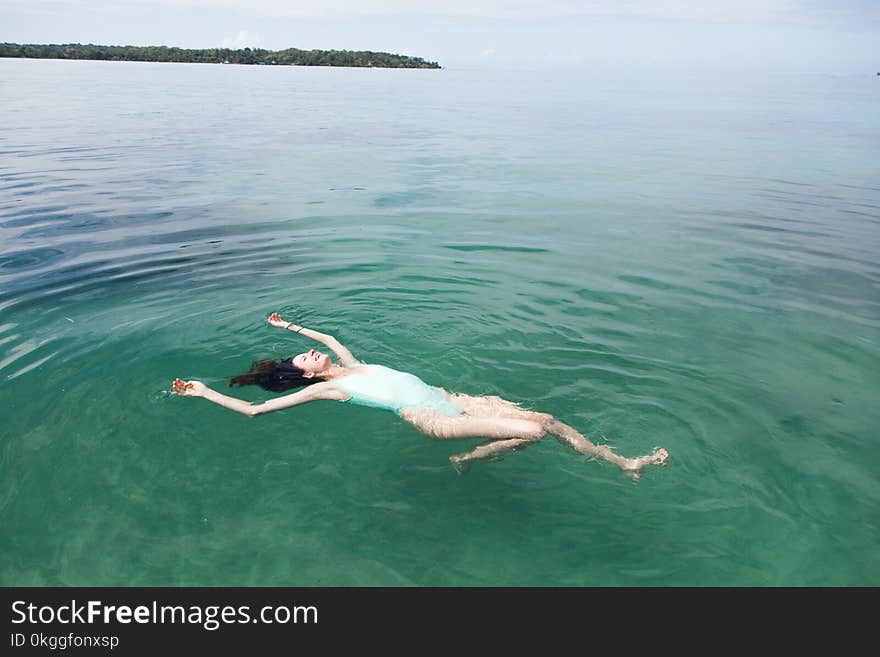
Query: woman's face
pixel 312 361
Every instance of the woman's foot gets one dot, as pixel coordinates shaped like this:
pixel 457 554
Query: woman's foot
pixel 660 457
pixel 632 468
pixel 460 462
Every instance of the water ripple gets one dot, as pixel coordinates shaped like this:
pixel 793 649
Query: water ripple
pixel 646 278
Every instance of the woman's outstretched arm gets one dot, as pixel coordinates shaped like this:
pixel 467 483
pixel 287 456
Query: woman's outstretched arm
pixel 343 354
pixel 312 393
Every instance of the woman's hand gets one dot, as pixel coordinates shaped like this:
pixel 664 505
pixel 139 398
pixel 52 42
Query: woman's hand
pixel 189 388
pixel 275 320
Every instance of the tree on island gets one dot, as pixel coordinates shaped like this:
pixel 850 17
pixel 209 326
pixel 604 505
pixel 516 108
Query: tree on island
pixel 291 56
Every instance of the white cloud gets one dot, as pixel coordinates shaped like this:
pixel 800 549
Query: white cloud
pixel 242 40
pixel 817 12
pixel 720 10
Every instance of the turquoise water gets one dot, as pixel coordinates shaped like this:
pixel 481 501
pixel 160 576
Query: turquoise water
pixel 681 261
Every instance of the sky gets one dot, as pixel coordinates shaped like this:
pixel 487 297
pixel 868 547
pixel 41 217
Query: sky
pixel 828 36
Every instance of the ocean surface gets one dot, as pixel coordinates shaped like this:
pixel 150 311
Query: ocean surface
pixel 667 259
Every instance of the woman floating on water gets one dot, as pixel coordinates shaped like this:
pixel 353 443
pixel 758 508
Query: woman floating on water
pixel 433 411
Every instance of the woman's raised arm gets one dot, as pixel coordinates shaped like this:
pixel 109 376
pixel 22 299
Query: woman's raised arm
pixel 314 392
pixel 343 354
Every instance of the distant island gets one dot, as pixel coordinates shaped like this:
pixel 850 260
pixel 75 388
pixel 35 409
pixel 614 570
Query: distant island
pixel 289 57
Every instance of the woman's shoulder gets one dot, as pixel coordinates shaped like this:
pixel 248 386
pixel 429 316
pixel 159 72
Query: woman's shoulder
pixel 327 390
pixel 353 370
pixel 359 366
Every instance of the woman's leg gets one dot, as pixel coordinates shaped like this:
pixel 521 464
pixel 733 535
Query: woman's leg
pixel 491 451
pixel 493 406
pixel 568 436
pixel 507 433
pixel 510 433
pixel 631 467
pixel 454 427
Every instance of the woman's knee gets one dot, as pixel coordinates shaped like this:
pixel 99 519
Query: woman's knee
pixel 544 419
pixel 534 432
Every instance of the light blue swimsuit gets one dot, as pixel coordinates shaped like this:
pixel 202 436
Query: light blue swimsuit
pixel 382 387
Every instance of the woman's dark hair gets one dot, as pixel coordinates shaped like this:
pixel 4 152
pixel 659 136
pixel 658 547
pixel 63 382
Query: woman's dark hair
pixel 273 375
